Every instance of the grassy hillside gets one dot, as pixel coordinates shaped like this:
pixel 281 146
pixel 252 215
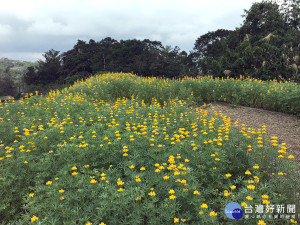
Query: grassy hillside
pixel 17 67
pixel 120 149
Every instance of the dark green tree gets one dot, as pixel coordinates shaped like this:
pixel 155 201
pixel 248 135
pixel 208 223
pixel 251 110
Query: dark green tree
pixel 209 44
pixel 7 83
pixel 266 46
pixel 262 19
pixel 78 59
pixel 31 76
pixel 49 70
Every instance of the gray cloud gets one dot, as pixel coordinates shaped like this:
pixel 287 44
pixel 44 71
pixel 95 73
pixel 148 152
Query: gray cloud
pixel 37 26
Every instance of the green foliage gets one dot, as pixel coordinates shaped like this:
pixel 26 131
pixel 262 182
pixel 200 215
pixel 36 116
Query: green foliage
pixel 7 84
pixel 77 155
pixel 17 67
pixel 47 71
pixel 266 46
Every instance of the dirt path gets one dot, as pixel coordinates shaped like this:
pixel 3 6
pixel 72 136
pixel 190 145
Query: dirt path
pixel 286 127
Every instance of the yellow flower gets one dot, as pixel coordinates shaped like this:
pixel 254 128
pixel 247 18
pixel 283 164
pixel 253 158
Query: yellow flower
pixel 172 197
pixel 102 223
pixel 265 202
pixel 196 192
pixel 291 157
pixel 233 187
pixel 138 179
pixel 74 173
pixel 88 223
pixel 243 204
pixel 226 193
pixel 93 181
pixel 265 196
pixel 61 191
pixel 248 172
pixel 256 166
pixel 34 218
pixel 74 168
pixel 138 198
pixel 256 179
pixel 261 222
pixel 213 213
pixel 120 182
pixel 200 212
pixel 204 206
pixel 31 195
pixel 131 167
pixel 48 182
pixel 62 198
pixel 249 198
pixel 171 191
pixel 176 220
pixel 142 168
pixel 280 173
pixel 166 177
pixel 151 193
pixel 228 175
pixel 293 221
pixel 281 151
pixel 120 189
pixel 251 187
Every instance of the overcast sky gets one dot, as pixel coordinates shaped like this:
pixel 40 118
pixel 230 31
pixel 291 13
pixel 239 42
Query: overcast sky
pixel 31 27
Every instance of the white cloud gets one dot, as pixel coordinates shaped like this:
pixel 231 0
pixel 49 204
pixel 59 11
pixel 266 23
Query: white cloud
pixel 5 29
pixel 39 25
pixel 29 56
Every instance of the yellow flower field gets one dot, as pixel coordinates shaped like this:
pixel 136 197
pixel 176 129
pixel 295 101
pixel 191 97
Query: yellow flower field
pixel 120 149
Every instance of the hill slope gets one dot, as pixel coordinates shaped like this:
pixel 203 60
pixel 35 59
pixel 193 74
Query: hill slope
pixel 17 67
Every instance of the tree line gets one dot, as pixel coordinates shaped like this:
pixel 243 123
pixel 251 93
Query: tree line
pixel 265 46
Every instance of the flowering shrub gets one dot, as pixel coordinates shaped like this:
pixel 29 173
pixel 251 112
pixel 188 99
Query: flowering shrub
pixel 80 156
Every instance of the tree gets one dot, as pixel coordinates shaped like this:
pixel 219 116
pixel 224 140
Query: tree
pixel 7 84
pixel 266 46
pixel 291 11
pixel 31 76
pixel 209 43
pixel 49 70
pixel 261 19
pixel 78 59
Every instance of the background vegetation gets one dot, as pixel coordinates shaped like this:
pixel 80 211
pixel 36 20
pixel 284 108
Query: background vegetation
pixel 266 46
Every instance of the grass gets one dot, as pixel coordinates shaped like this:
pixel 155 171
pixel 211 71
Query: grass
pixel 120 149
